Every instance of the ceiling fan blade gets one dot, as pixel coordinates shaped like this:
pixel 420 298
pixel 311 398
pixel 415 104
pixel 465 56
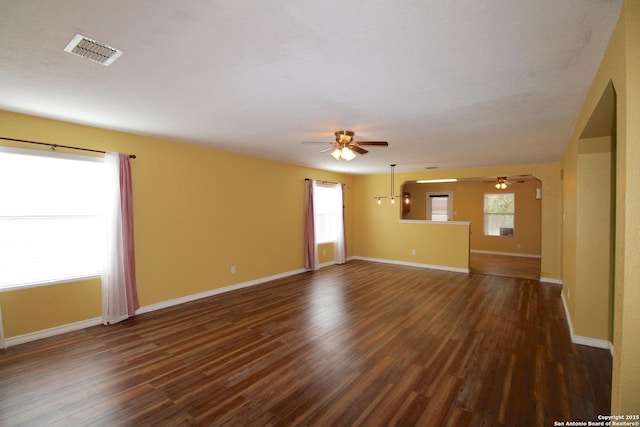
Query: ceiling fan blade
pixel 381 143
pixel 345 141
pixel 359 149
pixel 324 150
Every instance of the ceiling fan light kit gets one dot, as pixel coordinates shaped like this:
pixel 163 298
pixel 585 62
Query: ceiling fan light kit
pixel 344 153
pixel 501 183
pixel 345 147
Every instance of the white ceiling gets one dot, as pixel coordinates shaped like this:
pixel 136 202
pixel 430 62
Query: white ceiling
pixel 452 84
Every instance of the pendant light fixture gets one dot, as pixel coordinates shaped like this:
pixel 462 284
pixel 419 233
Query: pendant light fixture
pixel 391 196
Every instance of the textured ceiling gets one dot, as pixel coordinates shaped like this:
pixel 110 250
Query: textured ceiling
pixel 450 84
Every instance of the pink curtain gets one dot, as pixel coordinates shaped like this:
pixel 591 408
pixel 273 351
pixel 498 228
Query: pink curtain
pixel 129 259
pixel 343 255
pixel 119 290
pixel 310 255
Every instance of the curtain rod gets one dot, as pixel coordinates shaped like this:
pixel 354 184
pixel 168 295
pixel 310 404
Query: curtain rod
pixel 325 182
pixel 54 146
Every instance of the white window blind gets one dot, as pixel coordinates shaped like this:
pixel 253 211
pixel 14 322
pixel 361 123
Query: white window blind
pixel 499 214
pixel 439 206
pixel 51 217
pixel 327 207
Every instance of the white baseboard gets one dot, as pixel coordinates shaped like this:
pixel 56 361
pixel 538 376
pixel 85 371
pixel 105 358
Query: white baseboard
pixel 3 344
pixel 592 342
pixel 477 251
pixel 189 298
pixel 46 333
pixel 327 264
pixel 551 280
pixel 577 339
pixel 415 264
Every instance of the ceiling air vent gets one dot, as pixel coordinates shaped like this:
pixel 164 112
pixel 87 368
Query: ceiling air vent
pixel 92 50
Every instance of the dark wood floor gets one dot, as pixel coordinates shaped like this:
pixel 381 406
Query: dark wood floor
pixel 505 265
pixel 360 344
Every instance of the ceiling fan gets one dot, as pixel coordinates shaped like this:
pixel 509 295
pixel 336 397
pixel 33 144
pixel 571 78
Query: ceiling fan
pixel 345 146
pixel 503 182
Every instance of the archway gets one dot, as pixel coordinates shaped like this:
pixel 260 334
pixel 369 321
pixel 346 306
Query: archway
pixel 596 218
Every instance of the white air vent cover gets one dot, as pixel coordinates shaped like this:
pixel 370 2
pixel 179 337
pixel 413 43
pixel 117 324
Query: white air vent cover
pixel 93 50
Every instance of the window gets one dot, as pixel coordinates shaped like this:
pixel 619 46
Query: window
pixel 439 206
pixel 499 212
pixel 328 207
pixel 51 217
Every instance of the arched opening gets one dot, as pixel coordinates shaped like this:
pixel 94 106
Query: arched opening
pixel 505 241
pixel 596 220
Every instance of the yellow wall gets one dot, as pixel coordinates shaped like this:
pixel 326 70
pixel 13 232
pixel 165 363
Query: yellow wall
pixel 381 234
pixel 417 209
pixel 326 254
pixel 468 205
pixel 593 236
pixel 36 309
pixel 197 213
pixel 621 67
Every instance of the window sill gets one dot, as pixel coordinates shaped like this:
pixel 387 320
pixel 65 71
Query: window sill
pixel 47 283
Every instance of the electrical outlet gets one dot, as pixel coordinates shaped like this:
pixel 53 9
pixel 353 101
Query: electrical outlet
pixel 324 252
pixel 233 269
pixel 413 251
